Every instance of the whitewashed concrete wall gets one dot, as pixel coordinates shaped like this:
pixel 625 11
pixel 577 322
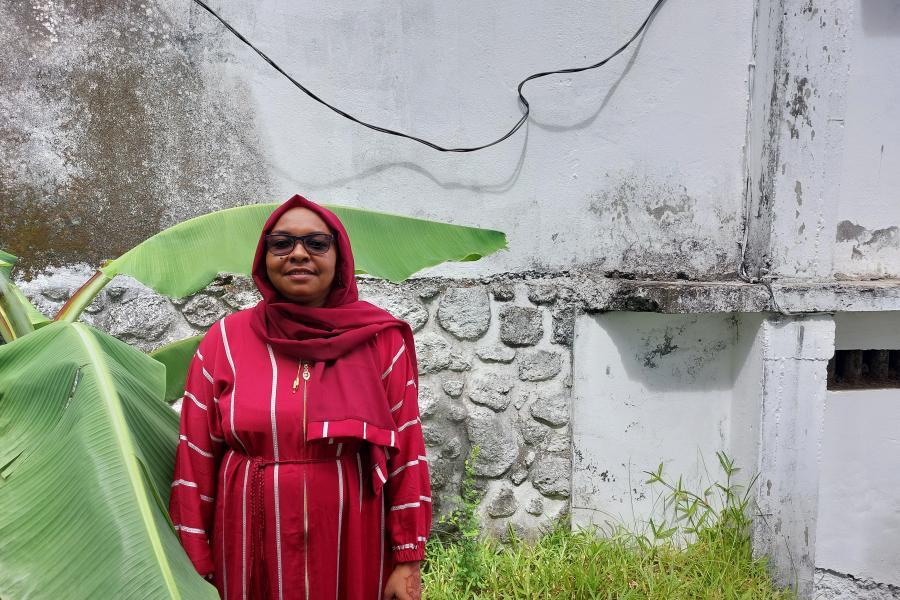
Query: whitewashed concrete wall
pixel 650 389
pixel 859 506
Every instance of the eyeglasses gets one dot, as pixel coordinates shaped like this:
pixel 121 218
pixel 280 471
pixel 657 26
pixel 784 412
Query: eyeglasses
pixel 282 244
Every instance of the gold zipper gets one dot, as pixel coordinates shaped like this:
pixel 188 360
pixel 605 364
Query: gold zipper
pixel 305 366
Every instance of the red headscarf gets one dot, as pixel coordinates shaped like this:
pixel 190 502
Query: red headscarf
pixel 338 337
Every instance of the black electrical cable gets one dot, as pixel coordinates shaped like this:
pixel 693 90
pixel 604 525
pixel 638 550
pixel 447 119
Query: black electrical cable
pixel 522 99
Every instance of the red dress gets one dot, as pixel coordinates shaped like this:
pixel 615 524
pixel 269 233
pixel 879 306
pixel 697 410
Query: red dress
pixel 272 513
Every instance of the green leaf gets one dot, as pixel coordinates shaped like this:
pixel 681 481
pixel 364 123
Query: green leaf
pixel 10 294
pixel 86 452
pixel 177 358
pixel 186 257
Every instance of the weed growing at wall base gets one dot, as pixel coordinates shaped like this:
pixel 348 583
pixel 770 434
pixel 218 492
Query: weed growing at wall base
pixel 702 551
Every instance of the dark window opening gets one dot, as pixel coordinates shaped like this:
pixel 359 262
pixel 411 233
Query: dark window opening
pixel 864 369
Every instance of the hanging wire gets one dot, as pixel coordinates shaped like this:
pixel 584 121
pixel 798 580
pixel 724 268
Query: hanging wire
pixel 522 100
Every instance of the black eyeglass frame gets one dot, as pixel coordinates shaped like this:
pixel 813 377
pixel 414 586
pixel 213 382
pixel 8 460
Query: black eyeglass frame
pixel 303 239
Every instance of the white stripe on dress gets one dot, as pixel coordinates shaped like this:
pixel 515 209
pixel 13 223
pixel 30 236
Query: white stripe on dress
pixel 359 472
pixel 325 430
pixel 393 437
pixel 206 374
pixel 340 468
pixel 233 383
pixel 405 506
pixel 381 560
pixel 402 467
pixel 216 438
pixel 410 383
pixel 393 362
pixel 199 404
pixel 425 498
pixel 380 474
pixel 339 448
pixel 189 529
pixel 305 539
pixel 397 406
pixel 405 547
pixel 244 535
pixel 407 424
pixel 275 470
pixel 224 506
pixel 194 447
pixel 207 498
pixel 184 482
pixel 200 356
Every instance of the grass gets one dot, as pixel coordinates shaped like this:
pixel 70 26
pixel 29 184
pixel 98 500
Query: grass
pixel 700 551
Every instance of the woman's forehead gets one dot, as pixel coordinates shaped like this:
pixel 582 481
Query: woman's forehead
pixel 300 220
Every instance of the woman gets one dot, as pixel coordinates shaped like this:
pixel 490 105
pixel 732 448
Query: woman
pixel 301 469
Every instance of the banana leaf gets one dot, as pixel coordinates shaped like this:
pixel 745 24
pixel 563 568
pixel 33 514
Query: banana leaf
pixel 177 358
pixel 86 452
pixel 186 257
pixel 17 315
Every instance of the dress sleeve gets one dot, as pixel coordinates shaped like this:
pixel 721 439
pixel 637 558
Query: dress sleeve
pixel 200 446
pixel 408 490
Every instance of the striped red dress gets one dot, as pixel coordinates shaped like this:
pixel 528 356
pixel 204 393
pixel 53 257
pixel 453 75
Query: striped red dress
pixel 271 513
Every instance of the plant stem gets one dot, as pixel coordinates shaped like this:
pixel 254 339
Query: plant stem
pixel 14 321
pixel 82 298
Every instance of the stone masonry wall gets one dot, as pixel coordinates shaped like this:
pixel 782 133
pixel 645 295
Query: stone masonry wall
pixel 494 361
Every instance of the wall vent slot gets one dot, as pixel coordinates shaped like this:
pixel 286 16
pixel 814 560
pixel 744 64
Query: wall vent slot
pixel 864 369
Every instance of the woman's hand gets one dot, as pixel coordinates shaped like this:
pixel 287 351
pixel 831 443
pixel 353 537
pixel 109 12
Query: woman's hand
pixel 405 583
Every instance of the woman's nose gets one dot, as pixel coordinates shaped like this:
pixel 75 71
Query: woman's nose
pixel 299 252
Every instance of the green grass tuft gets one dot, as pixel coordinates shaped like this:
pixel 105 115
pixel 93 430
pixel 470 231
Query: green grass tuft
pixel 700 551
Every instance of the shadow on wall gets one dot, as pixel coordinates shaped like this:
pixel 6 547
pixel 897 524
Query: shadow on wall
pixel 669 353
pixel 880 17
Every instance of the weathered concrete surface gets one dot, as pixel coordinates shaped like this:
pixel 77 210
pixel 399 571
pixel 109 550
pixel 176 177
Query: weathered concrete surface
pixel 831 585
pixel 117 119
pixel 795 357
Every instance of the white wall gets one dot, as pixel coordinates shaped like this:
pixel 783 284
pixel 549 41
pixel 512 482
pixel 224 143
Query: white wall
pixel 651 388
pixel 859 507
pixel 868 240
pixel 636 166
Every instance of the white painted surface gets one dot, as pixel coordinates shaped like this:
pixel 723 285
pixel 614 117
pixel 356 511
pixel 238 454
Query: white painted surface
pixel 859 512
pixel 795 353
pixel 870 178
pixel 653 388
pixel 636 166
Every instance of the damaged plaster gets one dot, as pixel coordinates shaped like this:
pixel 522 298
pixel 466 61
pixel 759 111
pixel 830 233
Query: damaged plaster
pixel 111 131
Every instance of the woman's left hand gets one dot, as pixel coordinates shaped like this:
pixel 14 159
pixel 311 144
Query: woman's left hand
pixel 405 583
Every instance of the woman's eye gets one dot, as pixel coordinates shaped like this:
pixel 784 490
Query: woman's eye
pixel 280 244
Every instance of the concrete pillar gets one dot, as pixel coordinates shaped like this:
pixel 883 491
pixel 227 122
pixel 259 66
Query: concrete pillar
pixel 795 351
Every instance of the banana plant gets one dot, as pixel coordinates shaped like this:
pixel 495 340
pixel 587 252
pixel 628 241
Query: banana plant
pixel 87 438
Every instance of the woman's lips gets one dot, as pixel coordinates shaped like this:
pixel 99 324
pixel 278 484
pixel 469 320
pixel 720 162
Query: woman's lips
pixel 299 276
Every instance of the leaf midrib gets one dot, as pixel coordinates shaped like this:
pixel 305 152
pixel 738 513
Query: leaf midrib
pixel 124 442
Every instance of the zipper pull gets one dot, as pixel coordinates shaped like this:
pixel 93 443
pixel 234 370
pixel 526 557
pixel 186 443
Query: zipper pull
pixel 296 379
pixel 305 371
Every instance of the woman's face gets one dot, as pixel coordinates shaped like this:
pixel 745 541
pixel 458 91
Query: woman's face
pixel 300 276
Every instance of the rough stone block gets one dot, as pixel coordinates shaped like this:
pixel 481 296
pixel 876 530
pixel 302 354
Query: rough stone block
pixel 402 306
pixel 433 353
pixel 465 312
pixel 551 476
pixel 496 353
pixel 553 411
pixel 535 507
pixel 497 440
pixel 521 325
pixel 542 293
pixel 539 365
pixel 503 291
pixel 453 388
pixel 564 325
pixel 503 504
pixel 429 402
pixel 490 390
pixel 203 310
